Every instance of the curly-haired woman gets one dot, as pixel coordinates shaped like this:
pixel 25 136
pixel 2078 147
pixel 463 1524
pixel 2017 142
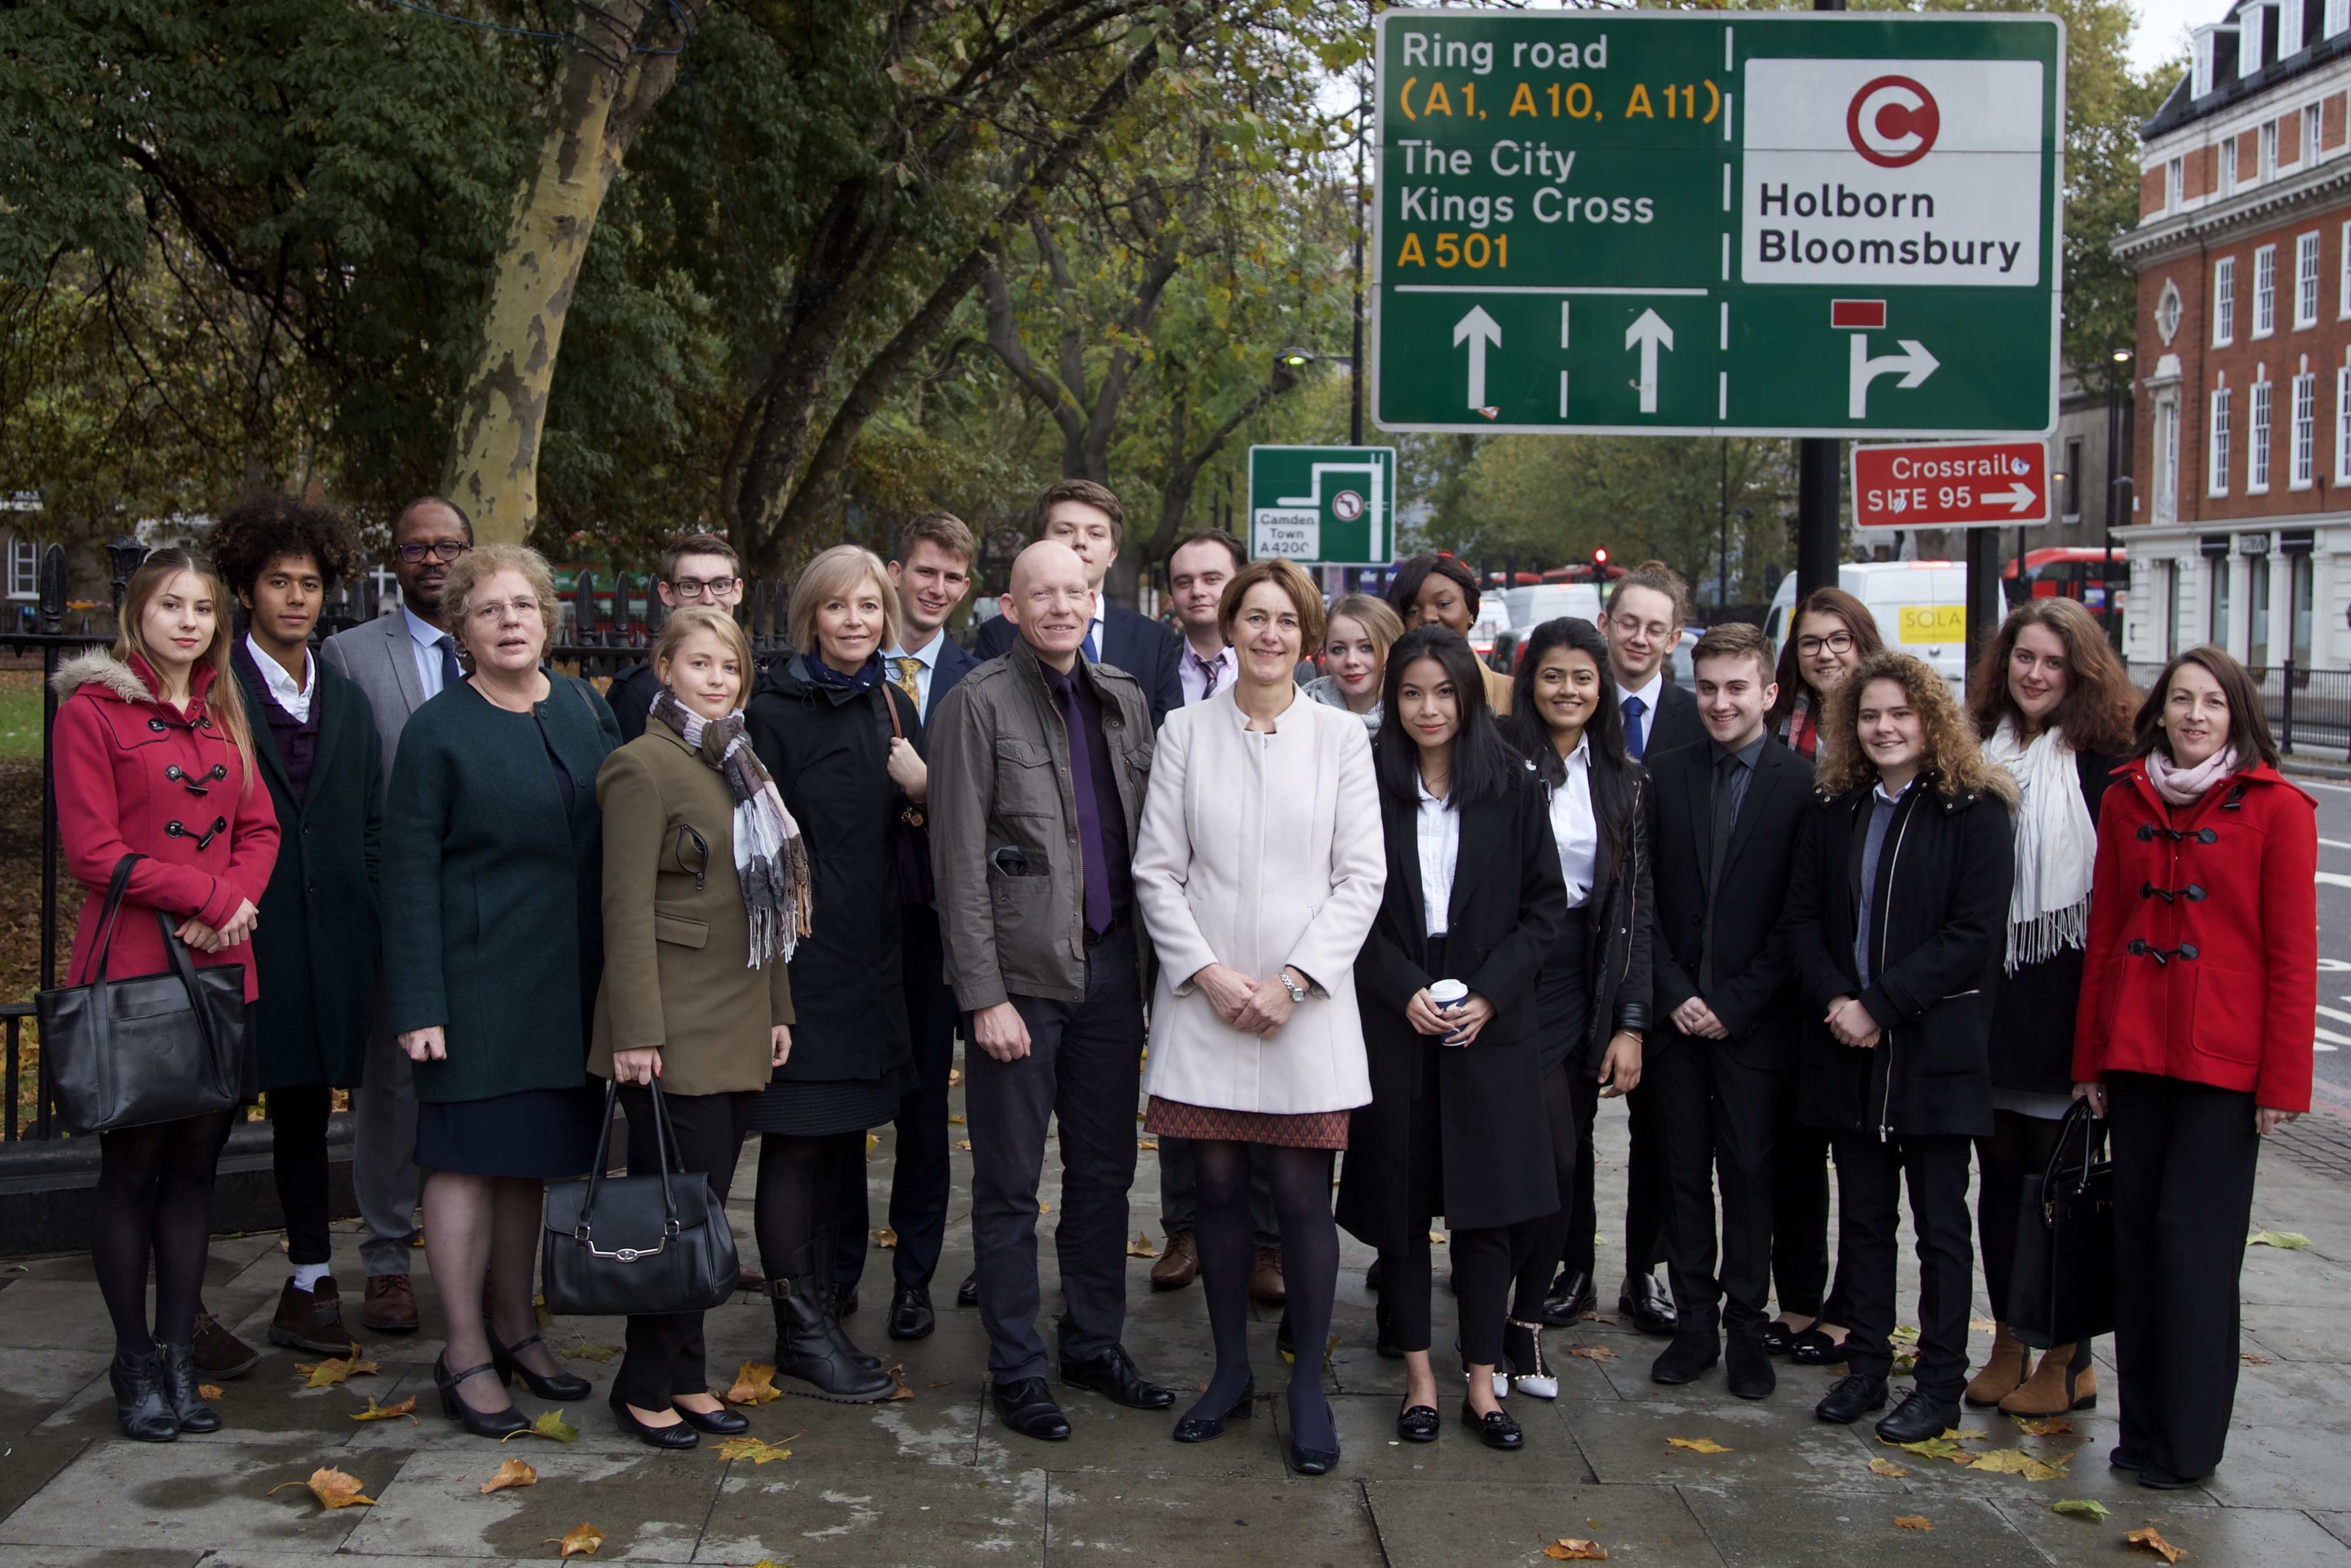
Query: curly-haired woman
pixel 1895 922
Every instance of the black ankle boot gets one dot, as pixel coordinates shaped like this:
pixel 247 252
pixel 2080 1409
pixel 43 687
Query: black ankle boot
pixel 811 1346
pixel 833 1302
pixel 139 1402
pixel 176 1366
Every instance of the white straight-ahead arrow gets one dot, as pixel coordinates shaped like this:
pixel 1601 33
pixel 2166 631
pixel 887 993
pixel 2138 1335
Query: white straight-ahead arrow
pixel 1649 331
pixel 1915 363
pixel 2019 497
pixel 1479 330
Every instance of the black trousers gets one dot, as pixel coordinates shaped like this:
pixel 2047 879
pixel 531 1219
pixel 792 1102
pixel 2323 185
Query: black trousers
pixel 297 1159
pixel 1800 1209
pixel 1645 1183
pixel 1870 1178
pixel 1481 1258
pixel 1718 1117
pixel 2019 1146
pixel 2185 1155
pixel 665 1354
pixel 921 1178
pixel 1084 1068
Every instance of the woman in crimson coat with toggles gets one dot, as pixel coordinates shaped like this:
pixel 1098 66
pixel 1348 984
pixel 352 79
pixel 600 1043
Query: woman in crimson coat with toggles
pixel 154 757
pixel 2198 1013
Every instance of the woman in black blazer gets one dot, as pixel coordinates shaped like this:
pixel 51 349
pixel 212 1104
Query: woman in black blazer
pixel 1896 921
pixel 1457 1124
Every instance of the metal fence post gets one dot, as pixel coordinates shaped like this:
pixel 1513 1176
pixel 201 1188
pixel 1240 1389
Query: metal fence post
pixel 2285 715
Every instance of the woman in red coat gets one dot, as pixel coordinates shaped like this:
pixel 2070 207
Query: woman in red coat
pixel 2198 1000
pixel 153 758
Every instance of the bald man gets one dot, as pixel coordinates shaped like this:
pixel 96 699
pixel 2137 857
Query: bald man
pixel 1038 764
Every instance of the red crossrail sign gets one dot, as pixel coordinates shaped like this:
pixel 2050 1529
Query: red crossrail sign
pixel 1951 485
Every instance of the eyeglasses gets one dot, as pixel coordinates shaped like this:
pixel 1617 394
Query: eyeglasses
pixel 691 589
pixel 492 611
pixel 1835 642
pixel 443 550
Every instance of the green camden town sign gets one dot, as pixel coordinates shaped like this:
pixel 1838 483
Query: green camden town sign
pixel 1718 222
pixel 1325 506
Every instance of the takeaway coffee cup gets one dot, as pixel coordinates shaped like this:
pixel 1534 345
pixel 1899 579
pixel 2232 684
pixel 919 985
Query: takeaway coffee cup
pixel 1446 996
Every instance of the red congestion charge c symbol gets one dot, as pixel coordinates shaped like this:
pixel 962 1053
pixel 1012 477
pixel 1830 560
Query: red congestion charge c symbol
pixel 1892 122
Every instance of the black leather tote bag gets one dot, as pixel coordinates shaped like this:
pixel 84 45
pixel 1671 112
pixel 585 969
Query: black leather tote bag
pixel 132 1053
pixel 2063 1284
pixel 640 1245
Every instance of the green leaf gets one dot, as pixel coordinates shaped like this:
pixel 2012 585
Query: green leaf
pixel 550 1424
pixel 2080 1507
pixel 2290 1241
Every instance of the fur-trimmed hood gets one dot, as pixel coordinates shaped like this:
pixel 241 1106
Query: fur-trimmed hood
pixel 100 667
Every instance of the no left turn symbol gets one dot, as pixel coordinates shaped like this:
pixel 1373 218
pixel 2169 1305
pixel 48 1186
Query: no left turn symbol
pixel 1346 506
pixel 1893 121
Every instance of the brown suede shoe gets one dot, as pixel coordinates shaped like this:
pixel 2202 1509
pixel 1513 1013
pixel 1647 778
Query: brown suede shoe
pixel 389 1306
pixel 313 1320
pixel 1179 1265
pixel 2055 1386
pixel 2003 1373
pixel 1264 1280
pixel 220 1353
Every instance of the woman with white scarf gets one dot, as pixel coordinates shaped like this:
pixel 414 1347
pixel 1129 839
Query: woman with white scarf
pixel 2053 705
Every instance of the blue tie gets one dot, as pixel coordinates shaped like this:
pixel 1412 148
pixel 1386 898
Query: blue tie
pixel 1634 744
pixel 1093 654
pixel 450 674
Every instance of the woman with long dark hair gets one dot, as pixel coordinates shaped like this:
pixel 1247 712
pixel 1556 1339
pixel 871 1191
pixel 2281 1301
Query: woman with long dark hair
pixel 1447 981
pixel 1592 999
pixel 2052 706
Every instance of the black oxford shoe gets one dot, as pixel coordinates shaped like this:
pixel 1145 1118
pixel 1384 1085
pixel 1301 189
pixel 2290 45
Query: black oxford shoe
pixel 911 1316
pixel 1850 1398
pixel 1569 1297
pixel 1028 1409
pixel 1648 1306
pixel 1918 1417
pixel 967 1293
pixel 1113 1376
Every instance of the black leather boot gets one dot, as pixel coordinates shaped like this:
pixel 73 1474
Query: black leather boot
pixel 175 1366
pixel 834 1302
pixel 811 1346
pixel 139 1402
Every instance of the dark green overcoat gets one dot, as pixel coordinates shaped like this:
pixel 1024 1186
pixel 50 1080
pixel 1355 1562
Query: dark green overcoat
pixel 493 915
pixel 319 939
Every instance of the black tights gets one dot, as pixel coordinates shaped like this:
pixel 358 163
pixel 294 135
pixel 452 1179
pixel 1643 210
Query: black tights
pixel 1536 1245
pixel 799 1187
pixel 2019 1146
pixel 154 1194
pixel 1300 1179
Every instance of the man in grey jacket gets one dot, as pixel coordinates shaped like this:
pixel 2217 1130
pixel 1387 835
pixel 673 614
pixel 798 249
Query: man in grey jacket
pixel 1039 761
pixel 401 662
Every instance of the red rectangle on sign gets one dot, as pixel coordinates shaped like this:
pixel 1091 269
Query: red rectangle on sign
pixel 1857 313
pixel 1951 485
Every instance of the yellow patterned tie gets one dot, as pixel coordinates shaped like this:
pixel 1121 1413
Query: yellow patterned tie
pixel 908 668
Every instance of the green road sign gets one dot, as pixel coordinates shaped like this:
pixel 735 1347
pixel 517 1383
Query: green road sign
pixel 1718 222
pixel 1322 506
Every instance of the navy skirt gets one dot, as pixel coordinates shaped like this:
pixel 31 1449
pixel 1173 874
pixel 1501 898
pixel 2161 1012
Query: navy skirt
pixel 544 1133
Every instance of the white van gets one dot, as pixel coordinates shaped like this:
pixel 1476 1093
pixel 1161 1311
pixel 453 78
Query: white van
pixel 1921 607
pixel 1531 607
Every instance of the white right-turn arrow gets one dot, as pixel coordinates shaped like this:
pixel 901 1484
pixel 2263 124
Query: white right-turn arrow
pixel 1915 363
pixel 2019 497
pixel 1479 330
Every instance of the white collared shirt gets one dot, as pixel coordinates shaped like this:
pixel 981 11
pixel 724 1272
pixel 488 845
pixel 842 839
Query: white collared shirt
pixel 1649 695
pixel 425 639
pixel 1438 830
pixel 294 699
pixel 1574 826
pixel 927 658
pixel 1098 631
pixel 1195 679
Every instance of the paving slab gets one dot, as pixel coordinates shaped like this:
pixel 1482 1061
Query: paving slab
pixel 876 1515
pixel 651 1506
pixel 1308 1521
pixel 194 1495
pixel 35 1385
pixel 2270 1537
pixel 29 1463
pixel 1771 1444
pixel 98 1557
pixel 1369 1449
pixel 1497 1526
pixel 1764 1527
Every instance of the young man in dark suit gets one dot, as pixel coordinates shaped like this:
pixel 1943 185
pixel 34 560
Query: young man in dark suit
pixel 1727 813
pixel 1088 518
pixel 700 568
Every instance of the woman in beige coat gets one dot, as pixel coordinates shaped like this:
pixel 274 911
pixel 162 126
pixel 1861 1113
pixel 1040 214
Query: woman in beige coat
pixel 704 895
pixel 1258 872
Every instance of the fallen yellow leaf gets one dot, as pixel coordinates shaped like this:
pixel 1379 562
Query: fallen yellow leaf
pixel 1886 1467
pixel 752 1449
pixel 2017 1462
pixel 326 1374
pixel 513 1473
pixel 2250 1359
pixel 333 1487
pixel 955 1077
pixel 2050 1427
pixel 1904 1333
pixel 1913 1521
pixel 579 1541
pixel 2152 1539
pixel 1141 1246
pixel 1593 1352
pixel 598 1353
pixel 1044 1208
pixel 957 1121
pixel 210 1391
pixel 1146 1144
pixel 753 1384
pixel 1567 1549
pixel 2291 1240
pixel 897 1378
pixel 1963 1434
pixel 375 1412
pixel 1982 1325
pixel 550 1424
pixel 963 1143
pixel 1933 1448
pixel 1437 1239
pixel 1696 1444
pixel 872 1142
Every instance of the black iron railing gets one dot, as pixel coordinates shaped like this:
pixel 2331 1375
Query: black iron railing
pixel 2308 709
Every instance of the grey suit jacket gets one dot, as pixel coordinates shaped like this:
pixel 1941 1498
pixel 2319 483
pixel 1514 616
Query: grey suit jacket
pixel 381 659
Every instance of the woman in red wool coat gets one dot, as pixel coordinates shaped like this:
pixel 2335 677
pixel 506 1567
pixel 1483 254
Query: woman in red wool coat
pixel 153 758
pixel 2198 1012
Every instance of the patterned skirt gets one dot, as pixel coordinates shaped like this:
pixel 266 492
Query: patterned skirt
pixel 1306 1130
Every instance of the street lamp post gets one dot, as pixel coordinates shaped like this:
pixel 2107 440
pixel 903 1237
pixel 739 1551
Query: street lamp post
pixel 2115 481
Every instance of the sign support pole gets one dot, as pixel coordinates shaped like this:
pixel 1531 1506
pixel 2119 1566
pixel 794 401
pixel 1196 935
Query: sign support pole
pixel 1985 607
pixel 1819 539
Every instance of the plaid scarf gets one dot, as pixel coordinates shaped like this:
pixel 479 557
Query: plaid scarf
pixel 770 858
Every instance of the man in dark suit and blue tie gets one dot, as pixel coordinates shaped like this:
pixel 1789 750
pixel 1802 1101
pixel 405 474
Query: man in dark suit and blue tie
pixel 1088 518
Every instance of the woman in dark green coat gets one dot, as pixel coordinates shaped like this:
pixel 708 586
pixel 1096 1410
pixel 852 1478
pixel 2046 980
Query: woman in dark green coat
pixel 493 945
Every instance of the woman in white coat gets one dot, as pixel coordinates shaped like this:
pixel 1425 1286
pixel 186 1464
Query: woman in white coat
pixel 1259 873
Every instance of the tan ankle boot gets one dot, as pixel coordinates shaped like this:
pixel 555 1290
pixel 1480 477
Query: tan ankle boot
pixel 2003 1375
pixel 2054 1388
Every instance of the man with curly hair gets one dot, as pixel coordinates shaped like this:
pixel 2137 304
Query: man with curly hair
pixel 316 945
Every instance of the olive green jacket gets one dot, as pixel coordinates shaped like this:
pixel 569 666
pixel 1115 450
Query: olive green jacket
pixel 676 935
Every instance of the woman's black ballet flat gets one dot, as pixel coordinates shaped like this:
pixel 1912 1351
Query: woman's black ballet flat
pixel 1209 1428
pixel 721 1423
pixel 554 1386
pixel 1814 1348
pixel 497 1424
pixel 1312 1461
pixel 1778 1338
pixel 680 1435
pixel 1418 1422
pixel 1496 1430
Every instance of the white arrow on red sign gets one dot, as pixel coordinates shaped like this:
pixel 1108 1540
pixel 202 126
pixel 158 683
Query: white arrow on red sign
pixel 1950 483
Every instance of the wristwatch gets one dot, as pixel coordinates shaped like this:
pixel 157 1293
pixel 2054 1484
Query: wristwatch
pixel 1297 992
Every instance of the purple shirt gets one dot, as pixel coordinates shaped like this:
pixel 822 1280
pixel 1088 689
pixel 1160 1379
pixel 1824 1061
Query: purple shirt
pixel 296 739
pixel 1093 784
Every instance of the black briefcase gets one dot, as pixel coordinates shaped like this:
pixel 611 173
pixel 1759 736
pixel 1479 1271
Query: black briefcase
pixel 157 1048
pixel 636 1246
pixel 2063 1288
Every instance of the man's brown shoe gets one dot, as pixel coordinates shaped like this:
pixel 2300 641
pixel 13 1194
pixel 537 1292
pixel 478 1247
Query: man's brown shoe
pixel 1179 1265
pixel 313 1318
pixel 1264 1280
pixel 390 1304
pixel 220 1353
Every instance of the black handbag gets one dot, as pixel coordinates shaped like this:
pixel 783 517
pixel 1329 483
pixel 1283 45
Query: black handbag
pixel 641 1245
pixel 2063 1282
pixel 158 1048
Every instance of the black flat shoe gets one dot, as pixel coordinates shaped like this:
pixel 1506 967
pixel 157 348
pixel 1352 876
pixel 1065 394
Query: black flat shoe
pixel 1496 1431
pixel 1850 1398
pixel 1777 1338
pixel 498 1424
pixel 1372 1278
pixel 967 1293
pixel 1312 1461
pixel 1209 1428
pixel 1688 1358
pixel 911 1316
pixel 1028 1409
pixel 552 1385
pixel 139 1402
pixel 717 1423
pixel 1814 1348
pixel 1648 1306
pixel 2123 1459
pixel 1113 1376
pixel 1919 1418
pixel 1569 1297
pixel 680 1435
pixel 1418 1422
pixel 2160 1479
pixel 176 1364
pixel 1748 1366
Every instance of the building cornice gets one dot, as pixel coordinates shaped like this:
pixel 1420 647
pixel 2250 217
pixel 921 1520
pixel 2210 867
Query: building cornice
pixel 2265 206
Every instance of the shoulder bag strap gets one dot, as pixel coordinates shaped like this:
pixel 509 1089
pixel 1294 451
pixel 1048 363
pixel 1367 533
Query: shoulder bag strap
pixel 581 1230
pixel 908 812
pixel 115 888
pixel 176 952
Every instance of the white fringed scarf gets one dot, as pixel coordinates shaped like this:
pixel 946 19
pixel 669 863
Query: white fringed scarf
pixel 770 860
pixel 2056 846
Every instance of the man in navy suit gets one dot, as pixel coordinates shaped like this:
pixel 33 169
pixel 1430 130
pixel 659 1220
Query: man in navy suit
pixel 931 572
pixel 1088 518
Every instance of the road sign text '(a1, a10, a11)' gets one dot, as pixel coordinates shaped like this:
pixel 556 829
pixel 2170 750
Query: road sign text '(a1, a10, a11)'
pixel 1322 506
pixel 1951 485
pixel 1718 222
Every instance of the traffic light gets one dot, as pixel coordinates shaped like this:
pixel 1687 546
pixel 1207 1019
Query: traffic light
pixel 1599 563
